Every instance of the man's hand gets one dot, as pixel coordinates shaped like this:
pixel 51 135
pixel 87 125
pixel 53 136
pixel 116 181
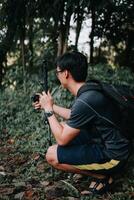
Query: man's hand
pixel 36 105
pixel 46 101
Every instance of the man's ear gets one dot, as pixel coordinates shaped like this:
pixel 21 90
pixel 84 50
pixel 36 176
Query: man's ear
pixel 66 74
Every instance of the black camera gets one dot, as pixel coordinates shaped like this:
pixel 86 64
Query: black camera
pixel 35 98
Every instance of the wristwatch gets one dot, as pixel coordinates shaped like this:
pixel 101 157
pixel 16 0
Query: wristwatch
pixel 48 113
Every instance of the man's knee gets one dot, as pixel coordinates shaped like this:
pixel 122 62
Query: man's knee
pixel 51 155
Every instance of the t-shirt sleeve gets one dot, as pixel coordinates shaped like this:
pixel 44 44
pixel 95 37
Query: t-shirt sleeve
pixel 81 114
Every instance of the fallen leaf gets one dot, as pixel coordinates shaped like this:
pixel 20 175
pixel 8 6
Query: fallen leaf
pixel 3 173
pixel 131 194
pixel 29 194
pixel 5 189
pixel 6 150
pixel 36 156
pixel 19 195
pixel 10 141
pixel 40 167
pixel 85 192
pixel 2 168
pixel 44 183
pixel 17 160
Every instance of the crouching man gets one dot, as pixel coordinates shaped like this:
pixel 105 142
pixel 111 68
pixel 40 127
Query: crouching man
pixel 86 144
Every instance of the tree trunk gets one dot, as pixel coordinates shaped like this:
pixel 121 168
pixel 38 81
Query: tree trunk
pixel 31 43
pixel 64 31
pixel 15 8
pixel 22 44
pixel 4 48
pixel 78 26
pixel 129 60
pixel 60 42
pixel 92 34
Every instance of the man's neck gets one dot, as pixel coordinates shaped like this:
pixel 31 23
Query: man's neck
pixel 74 87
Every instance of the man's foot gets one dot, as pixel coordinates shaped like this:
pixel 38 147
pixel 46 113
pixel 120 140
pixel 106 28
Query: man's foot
pixel 100 186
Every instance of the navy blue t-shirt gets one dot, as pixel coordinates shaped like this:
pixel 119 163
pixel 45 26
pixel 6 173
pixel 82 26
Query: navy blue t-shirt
pixel 89 112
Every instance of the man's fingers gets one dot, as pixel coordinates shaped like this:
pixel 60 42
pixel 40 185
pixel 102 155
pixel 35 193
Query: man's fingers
pixel 49 94
pixel 38 94
pixel 36 105
pixel 44 93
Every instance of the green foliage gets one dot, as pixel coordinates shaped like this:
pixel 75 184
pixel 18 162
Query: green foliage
pixel 111 75
pixel 32 34
pixel 23 128
pixel 18 117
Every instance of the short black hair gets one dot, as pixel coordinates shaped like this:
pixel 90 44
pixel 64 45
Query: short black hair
pixel 76 63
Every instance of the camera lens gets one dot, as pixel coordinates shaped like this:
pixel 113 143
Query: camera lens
pixel 35 98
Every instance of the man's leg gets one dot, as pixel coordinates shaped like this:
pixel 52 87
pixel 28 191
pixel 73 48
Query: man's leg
pixel 51 157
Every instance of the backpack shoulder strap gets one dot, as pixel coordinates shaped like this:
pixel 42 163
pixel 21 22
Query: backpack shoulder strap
pixel 90 85
pixel 108 90
pixel 112 92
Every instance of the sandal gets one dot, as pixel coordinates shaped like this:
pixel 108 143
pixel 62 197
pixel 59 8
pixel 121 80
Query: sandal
pixel 105 186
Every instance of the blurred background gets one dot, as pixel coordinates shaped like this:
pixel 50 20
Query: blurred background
pixel 34 30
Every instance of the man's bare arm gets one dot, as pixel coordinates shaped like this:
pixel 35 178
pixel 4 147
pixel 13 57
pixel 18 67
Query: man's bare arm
pixel 61 111
pixel 63 134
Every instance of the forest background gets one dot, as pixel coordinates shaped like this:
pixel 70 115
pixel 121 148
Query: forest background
pixel 34 30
